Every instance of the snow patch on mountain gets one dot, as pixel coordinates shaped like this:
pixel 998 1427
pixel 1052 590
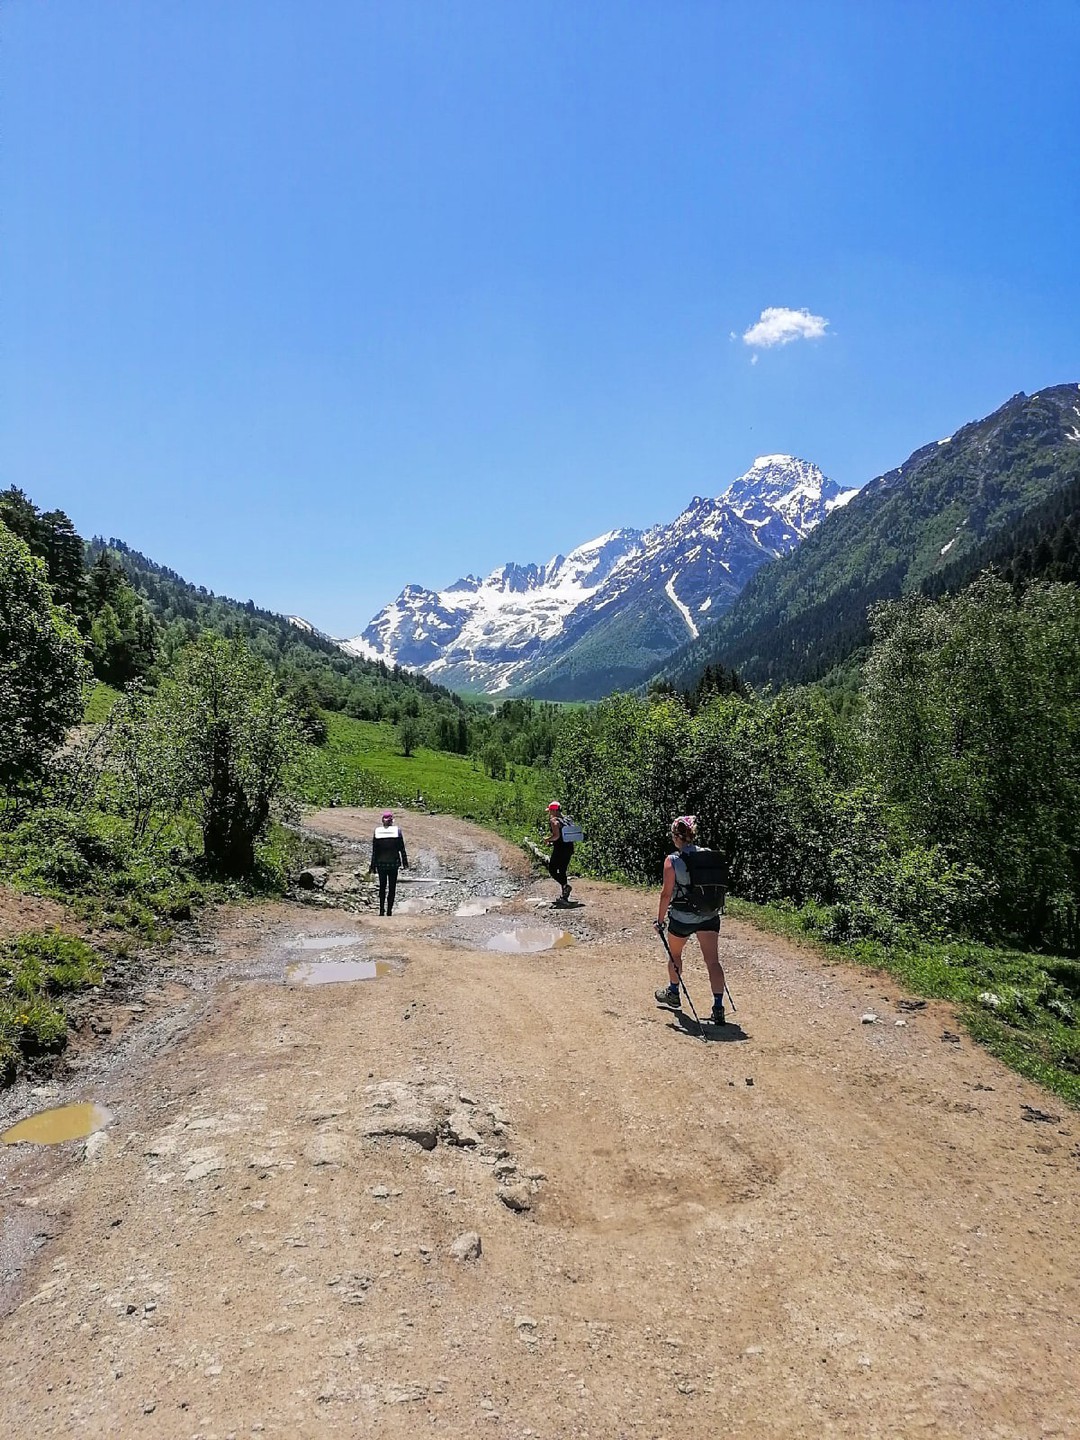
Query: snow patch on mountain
pixel 669 589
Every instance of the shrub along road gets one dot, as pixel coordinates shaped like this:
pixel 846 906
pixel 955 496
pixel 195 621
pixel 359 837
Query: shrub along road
pixel 812 1226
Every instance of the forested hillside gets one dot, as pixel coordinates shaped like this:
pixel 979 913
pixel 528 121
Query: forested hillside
pixel 304 660
pixel 929 525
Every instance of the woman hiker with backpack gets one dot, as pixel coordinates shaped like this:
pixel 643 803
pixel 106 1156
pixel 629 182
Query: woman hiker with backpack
pixel 562 849
pixel 691 902
pixel 387 853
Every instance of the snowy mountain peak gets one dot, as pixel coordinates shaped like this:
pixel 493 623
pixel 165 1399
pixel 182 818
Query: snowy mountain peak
pixel 784 485
pixel 527 626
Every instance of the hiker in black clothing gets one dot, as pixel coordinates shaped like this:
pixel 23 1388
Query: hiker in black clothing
pixel 387 853
pixel 681 921
pixel 561 850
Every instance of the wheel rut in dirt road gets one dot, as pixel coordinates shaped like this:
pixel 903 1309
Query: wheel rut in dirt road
pixel 868 1239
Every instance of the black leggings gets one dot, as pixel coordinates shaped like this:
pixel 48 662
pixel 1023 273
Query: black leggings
pixel 387 877
pixel 561 854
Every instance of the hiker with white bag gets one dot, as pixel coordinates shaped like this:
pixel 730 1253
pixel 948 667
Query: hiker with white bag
pixel 564 835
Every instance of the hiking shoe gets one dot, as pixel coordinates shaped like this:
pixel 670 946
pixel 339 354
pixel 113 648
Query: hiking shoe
pixel 670 999
pixel 718 1017
pixel 566 893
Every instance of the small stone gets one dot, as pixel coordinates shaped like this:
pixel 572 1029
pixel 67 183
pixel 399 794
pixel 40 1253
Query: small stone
pixel 466 1098
pixel 503 1169
pixel 458 1130
pixel 899 1024
pixel 749 1079
pixel 404 1394
pixel 313 878
pixel 516 1197
pixel 869 1018
pixel 326 1148
pixel 94 1145
pixel 524 1322
pixel 148 1409
pixel 467 1246
pixel 380 1192
pixel 204 1169
pixel 536 1174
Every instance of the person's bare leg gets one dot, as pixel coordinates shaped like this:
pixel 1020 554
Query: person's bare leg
pixel 676 944
pixel 709 942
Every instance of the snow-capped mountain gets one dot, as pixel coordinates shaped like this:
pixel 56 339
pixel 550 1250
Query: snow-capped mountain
pixel 604 615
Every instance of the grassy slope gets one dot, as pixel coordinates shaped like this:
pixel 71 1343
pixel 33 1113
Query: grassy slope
pixel 99 701
pixel 1035 1025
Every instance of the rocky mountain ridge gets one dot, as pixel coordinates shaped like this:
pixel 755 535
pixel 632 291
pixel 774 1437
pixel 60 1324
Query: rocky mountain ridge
pixel 919 526
pixel 606 613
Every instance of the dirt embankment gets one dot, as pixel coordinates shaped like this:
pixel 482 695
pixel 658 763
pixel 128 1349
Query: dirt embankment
pixel 808 1226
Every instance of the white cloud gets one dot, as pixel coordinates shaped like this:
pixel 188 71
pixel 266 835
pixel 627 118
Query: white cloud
pixel 779 326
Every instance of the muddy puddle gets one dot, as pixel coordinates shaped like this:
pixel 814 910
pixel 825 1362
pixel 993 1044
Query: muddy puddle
pixel 62 1122
pixel 477 907
pixel 325 942
pixel 336 972
pixel 528 942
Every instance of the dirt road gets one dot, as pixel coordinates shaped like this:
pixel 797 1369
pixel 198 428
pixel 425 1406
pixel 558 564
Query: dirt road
pixel 810 1226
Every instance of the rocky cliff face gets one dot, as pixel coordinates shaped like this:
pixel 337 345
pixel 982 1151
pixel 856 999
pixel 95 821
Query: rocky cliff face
pixel 605 614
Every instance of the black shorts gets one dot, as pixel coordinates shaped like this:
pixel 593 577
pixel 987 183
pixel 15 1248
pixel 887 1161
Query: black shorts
pixel 683 928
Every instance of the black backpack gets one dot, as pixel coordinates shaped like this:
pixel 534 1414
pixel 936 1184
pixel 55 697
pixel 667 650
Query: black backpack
pixel 707 891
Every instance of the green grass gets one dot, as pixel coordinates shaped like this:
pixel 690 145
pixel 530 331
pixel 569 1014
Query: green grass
pixel 1024 1008
pixel 99 702
pixel 362 764
pixel 36 970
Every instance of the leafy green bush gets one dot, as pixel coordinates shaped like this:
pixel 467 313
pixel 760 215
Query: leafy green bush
pixel 971 731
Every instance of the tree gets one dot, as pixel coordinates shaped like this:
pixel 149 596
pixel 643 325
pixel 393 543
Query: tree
pixel 494 762
pixel 972 721
pixel 52 537
pixel 237 742
pixel 409 735
pixel 42 667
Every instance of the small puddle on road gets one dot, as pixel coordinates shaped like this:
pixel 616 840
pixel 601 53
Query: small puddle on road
pixel 62 1122
pixel 324 942
pixel 477 907
pixel 420 906
pixel 334 972
pixel 529 942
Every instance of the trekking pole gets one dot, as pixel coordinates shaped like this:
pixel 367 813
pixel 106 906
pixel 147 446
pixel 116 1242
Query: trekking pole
pixel 734 1007
pixel 678 971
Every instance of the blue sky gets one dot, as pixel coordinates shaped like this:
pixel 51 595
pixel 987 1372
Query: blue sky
pixel 309 300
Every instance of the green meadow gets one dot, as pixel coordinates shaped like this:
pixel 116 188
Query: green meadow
pixel 362 763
